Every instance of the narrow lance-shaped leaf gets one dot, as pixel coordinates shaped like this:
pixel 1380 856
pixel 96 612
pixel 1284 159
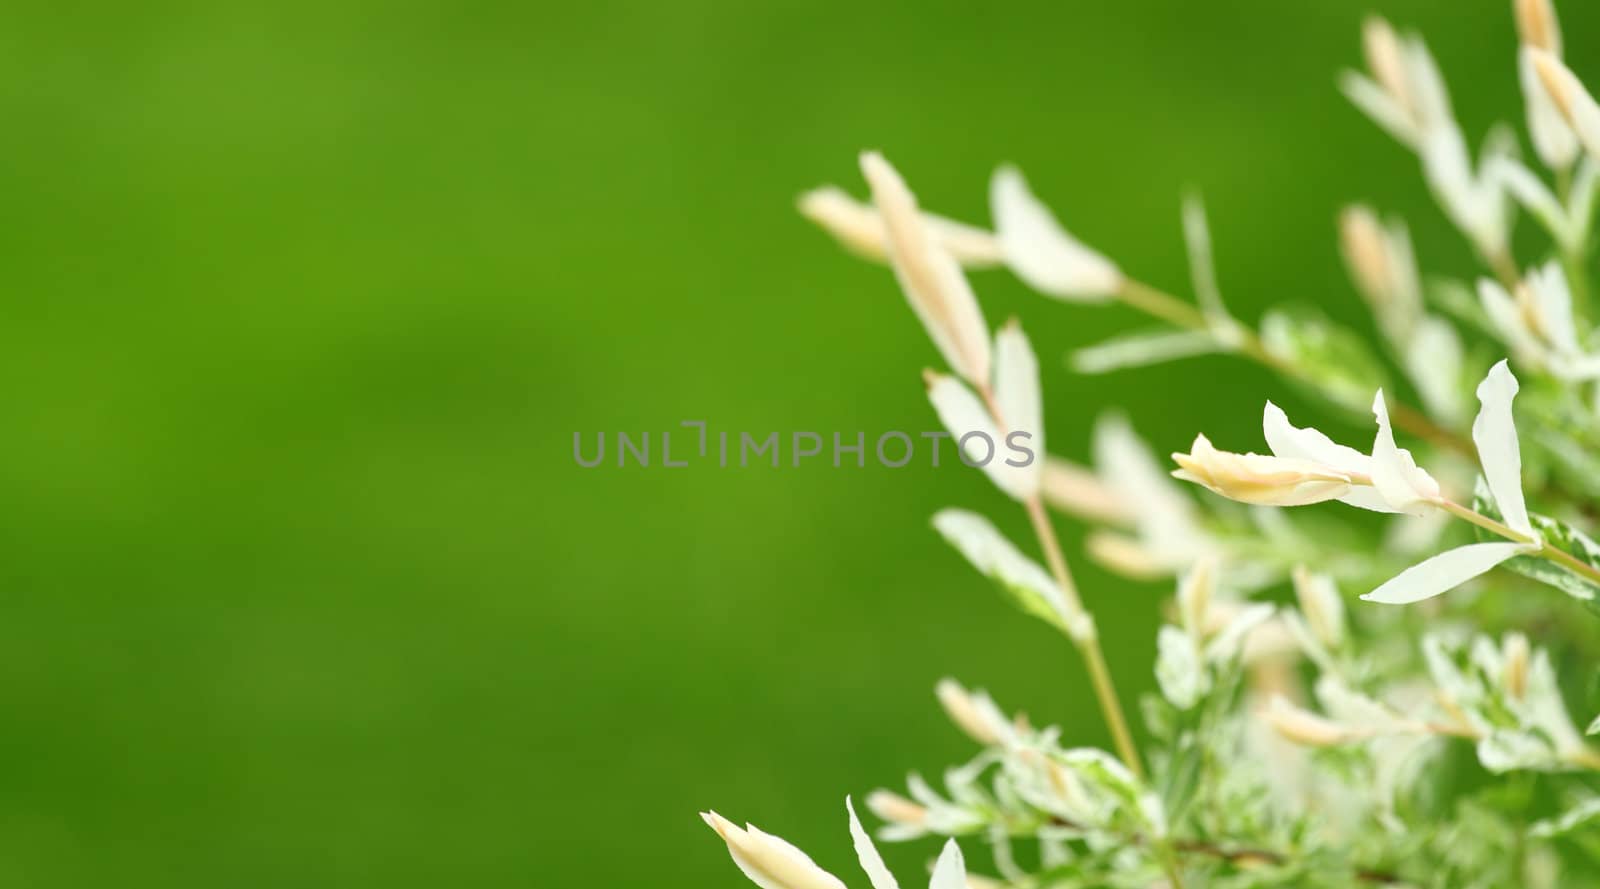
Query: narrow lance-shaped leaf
pixel 1559 535
pixel 980 440
pixel 933 282
pixel 1030 586
pixel 1040 251
pixel 1142 349
pixel 871 862
pixel 1495 433
pixel 1021 405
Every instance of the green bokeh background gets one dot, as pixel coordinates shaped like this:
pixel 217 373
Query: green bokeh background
pixel 304 302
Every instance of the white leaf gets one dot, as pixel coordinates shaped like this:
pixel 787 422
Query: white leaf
pixel 1505 750
pixel 994 556
pixel 1202 269
pixel 871 861
pixel 950 871
pixel 1230 640
pixel 1553 138
pixel 1384 268
pixel 1570 96
pixel 1016 391
pixel 1552 303
pixel 1078 491
pixel 1395 475
pixel 932 280
pixel 1476 206
pixel 769 861
pixel 1535 197
pixel 1350 707
pixel 1301 726
pixel 1433 361
pixel 1584 812
pixel 1425 87
pixel 1040 251
pixel 1381 108
pixel 1141 349
pixel 1495 433
pixel 1286 440
pixel 1507 321
pixel 1443 572
pixel 980 441
pixel 859 227
pixel 1322 606
pixel 1167 519
pixel 1178 669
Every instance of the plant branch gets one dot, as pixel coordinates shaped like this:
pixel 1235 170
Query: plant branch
pixel 1545 551
pixel 1238 855
pixel 1159 304
pixel 1089 646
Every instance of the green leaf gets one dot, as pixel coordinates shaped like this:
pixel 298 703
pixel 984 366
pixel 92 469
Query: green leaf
pixel 1335 361
pixel 1557 534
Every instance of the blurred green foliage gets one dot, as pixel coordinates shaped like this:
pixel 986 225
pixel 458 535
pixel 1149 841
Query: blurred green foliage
pixel 304 302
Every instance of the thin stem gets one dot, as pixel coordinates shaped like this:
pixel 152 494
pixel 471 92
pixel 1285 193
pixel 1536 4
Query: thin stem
pixel 1159 304
pixel 1578 280
pixel 1545 551
pixel 1569 562
pixel 1573 259
pixel 1173 868
pixel 1240 856
pixel 1162 305
pixel 1505 269
pixel 1088 644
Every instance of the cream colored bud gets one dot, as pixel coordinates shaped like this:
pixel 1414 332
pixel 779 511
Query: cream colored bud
pixel 769 861
pixel 1537 25
pixel 1514 665
pixel 972 712
pixel 1571 99
pixel 896 809
pixel 931 278
pixel 978 881
pixel 1361 239
pixel 1260 479
pixel 1077 491
pixel 859 227
pixel 1386 60
pixel 1304 727
pixel 1270 641
pixel 1321 605
pixel 1384 270
pixel 1125 556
